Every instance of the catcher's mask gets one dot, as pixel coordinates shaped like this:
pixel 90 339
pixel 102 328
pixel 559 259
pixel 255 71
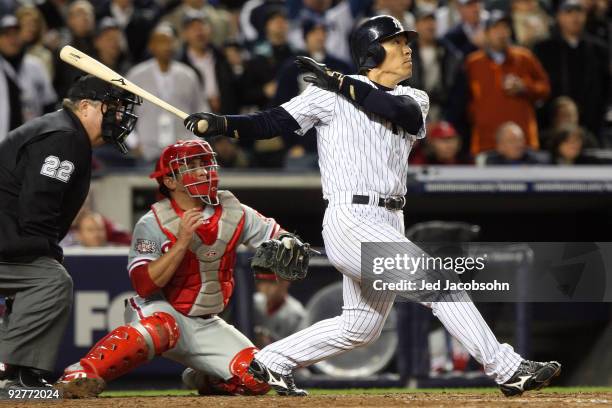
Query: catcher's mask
pixel 193 164
pixel 118 118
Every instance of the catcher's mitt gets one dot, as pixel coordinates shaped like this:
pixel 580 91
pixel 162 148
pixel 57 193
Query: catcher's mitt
pixel 286 257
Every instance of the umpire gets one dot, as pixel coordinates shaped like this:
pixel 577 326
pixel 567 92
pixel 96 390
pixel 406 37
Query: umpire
pixel 45 170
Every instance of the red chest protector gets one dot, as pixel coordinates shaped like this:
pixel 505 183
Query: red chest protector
pixel 204 281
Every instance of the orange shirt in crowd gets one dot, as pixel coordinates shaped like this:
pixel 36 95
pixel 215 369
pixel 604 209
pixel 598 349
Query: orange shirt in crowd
pixel 490 106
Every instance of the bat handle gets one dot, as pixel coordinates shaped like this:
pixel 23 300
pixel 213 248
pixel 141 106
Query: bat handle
pixel 202 126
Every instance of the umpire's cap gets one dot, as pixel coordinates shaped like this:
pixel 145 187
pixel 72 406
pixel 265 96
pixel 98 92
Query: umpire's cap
pixel 90 87
pixel 365 40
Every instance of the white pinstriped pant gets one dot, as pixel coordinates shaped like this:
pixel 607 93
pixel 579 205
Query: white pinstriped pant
pixel 364 312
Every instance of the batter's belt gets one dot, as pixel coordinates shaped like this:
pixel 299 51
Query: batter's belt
pixel 391 203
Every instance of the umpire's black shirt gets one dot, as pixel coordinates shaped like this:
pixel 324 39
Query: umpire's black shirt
pixel 45 171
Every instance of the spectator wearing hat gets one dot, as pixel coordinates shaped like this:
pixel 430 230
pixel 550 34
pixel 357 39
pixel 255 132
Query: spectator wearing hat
pixel 136 22
pixel 437 69
pixel 260 74
pixel 32 30
pixel 511 149
pixel 302 154
pixel 175 83
pixel 577 64
pixel 25 87
pixel 268 57
pixel 505 83
pixel 468 35
pixel 219 84
pixel 109 43
pixel 443 147
pixel 221 23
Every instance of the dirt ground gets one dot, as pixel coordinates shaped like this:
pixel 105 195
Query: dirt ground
pixel 420 400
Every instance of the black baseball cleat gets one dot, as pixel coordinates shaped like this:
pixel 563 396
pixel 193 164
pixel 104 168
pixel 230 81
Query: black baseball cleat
pixel 530 375
pixel 16 377
pixel 282 384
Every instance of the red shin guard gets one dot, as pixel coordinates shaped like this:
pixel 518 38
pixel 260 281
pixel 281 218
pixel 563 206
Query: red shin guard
pixel 127 347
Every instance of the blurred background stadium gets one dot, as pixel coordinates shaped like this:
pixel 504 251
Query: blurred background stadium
pixel 515 152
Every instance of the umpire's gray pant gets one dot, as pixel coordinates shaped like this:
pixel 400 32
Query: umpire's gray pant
pixel 42 298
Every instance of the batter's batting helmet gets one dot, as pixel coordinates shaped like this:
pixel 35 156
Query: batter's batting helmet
pixel 366 38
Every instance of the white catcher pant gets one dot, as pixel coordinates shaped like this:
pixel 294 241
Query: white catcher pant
pixel 345 227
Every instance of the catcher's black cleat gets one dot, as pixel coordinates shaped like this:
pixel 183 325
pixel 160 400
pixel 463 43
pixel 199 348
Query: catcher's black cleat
pixel 282 384
pixel 530 375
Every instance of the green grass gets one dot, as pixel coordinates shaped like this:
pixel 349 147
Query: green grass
pixel 356 391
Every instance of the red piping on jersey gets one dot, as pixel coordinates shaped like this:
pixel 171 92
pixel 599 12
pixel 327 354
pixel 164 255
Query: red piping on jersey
pixel 138 263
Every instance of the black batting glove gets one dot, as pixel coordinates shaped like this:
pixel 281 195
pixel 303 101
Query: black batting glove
pixel 323 77
pixel 215 125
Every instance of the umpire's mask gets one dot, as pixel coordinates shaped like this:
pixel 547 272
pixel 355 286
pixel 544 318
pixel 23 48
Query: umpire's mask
pixel 118 118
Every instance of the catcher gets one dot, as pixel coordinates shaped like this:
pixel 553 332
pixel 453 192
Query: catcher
pixel 181 265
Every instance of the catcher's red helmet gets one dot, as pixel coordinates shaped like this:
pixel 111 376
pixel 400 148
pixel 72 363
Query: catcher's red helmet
pixel 194 161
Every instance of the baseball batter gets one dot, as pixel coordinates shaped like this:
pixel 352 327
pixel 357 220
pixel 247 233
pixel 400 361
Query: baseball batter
pixel 181 264
pixel 366 125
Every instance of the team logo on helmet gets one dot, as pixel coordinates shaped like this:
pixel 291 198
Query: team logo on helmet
pixel 366 38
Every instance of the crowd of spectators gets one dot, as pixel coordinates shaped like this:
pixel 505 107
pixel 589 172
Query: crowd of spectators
pixel 509 81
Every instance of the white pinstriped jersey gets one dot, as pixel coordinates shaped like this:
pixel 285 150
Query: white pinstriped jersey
pixel 359 152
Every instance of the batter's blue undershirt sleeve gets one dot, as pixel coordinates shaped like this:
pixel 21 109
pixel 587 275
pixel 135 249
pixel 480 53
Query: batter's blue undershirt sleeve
pixel 261 125
pixel 401 110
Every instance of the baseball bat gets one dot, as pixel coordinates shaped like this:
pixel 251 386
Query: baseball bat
pixel 94 67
